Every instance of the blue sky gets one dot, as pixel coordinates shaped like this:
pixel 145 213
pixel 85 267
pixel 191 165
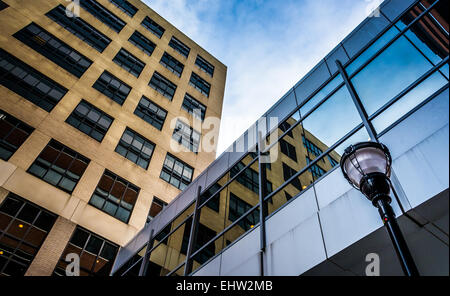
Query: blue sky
pixel 267 46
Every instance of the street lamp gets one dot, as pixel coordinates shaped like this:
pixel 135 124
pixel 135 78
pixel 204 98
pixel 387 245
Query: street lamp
pixel 367 167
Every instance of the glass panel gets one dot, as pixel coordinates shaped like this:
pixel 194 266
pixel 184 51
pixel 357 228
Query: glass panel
pixel 409 101
pixel 321 94
pixel 369 52
pixel 395 69
pixel 332 120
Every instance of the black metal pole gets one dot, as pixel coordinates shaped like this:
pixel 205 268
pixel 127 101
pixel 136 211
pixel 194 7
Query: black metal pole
pixel 398 241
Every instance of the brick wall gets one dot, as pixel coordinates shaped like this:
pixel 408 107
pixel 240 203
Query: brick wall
pixel 47 257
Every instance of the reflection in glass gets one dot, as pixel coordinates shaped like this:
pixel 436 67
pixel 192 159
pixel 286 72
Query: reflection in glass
pixel 321 94
pixel 371 50
pixel 392 71
pixel 409 101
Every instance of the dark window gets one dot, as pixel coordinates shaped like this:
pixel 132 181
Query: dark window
pixel 29 83
pixel 176 172
pixel 179 46
pixel 135 148
pixel 3 5
pixel 90 120
pixel 115 196
pixel 151 113
pixel 249 177
pixel 204 235
pixel 141 42
pixel 125 6
pixel 23 228
pixel 103 14
pixel 112 87
pixel 153 27
pixel 288 150
pixel 163 85
pixel 96 254
pixel 213 203
pixel 54 49
pixel 288 196
pixel 205 66
pixel 79 28
pixel 13 134
pixel 288 172
pixel 172 64
pixel 193 106
pixel 200 84
pixel 186 136
pixel 315 169
pixel 129 62
pixel 60 166
pixel 237 208
pixel 156 207
pixel 313 149
pixel 284 127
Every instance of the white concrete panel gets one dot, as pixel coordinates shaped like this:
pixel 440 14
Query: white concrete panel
pixel 423 171
pixel 297 250
pixel 347 220
pixel 289 217
pixel 237 254
pixel 331 187
pixel 248 267
pixel 210 269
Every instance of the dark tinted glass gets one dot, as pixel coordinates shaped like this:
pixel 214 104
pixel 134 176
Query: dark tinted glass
pixel 142 42
pixel 59 166
pixel 103 14
pixel 163 85
pixel 90 120
pixel 112 87
pixel 179 46
pixel 129 62
pixel 23 229
pixel 13 133
pixel 176 172
pixel 151 113
pixel 172 64
pixel 29 83
pixel 153 27
pixel 201 85
pixel 194 107
pixel 136 148
pixel 79 28
pixel 115 196
pixel 54 49
pixel 125 6
pixel 205 66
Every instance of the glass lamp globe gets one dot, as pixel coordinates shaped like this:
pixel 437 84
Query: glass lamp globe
pixel 367 166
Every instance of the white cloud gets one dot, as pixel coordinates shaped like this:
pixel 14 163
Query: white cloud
pixel 267 45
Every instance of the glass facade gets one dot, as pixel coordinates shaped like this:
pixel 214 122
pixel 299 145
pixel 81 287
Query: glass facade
pixel 403 67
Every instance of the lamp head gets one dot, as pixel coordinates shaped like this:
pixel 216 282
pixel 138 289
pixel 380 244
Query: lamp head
pixel 367 167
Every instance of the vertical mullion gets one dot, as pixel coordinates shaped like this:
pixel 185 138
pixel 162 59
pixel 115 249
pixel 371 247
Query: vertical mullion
pixel 357 101
pixel 146 258
pixel 262 208
pixel 193 233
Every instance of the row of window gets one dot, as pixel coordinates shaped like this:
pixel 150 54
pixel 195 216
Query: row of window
pixel 62 167
pixel 99 41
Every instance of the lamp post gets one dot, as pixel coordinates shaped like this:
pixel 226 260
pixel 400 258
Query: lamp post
pixel 367 166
